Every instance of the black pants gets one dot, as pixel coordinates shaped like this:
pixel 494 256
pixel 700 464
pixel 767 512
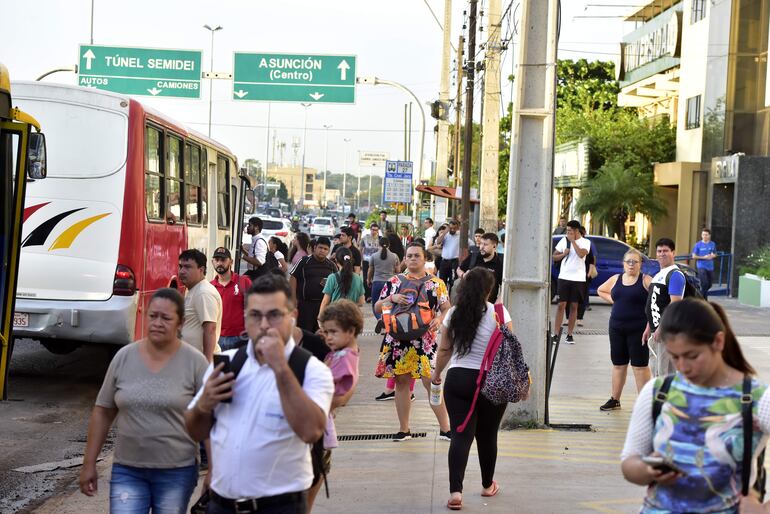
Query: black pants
pixel 446 271
pixel 706 277
pixel 365 271
pixel 583 305
pixel 459 386
pixel 307 317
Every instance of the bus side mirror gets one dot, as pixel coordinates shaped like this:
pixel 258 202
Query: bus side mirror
pixel 36 156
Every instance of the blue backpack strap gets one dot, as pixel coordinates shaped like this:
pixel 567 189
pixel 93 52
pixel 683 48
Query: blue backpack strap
pixel 660 398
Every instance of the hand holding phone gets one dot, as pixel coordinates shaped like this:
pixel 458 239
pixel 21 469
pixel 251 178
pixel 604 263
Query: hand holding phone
pixel 223 359
pixel 661 464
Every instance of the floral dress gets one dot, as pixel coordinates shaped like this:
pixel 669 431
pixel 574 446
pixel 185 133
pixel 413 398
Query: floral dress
pixel 414 357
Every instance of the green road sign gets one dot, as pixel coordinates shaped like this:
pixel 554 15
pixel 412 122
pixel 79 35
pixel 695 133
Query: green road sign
pixel 141 71
pixel 294 78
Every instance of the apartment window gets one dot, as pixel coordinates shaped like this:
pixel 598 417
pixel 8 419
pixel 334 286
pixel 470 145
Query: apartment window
pixel 698 11
pixel 693 113
pixel 153 169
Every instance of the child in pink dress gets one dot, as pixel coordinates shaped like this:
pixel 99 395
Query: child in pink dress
pixel 341 323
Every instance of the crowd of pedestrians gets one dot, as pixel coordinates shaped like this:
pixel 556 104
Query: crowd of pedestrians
pixel 244 374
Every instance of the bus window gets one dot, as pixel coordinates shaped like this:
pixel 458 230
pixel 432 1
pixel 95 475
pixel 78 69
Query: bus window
pixel 192 183
pixel 223 186
pixel 204 188
pixel 153 173
pixel 174 180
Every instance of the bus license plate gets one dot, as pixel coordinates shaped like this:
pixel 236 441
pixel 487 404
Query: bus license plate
pixel 20 319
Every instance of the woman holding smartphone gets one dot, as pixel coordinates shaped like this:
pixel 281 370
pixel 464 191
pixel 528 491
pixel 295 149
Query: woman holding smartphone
pixel 696 427
pixel 147 388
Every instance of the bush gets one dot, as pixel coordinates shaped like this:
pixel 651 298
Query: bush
pixel 757 263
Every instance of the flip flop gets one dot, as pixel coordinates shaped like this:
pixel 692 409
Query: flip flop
pixel 495 490
pixel 454 504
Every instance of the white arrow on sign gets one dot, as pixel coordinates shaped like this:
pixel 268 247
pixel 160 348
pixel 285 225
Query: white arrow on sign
pixel 343 67
pixel 154 91
pixel 240 93
pixel 89 57
pixel 316 96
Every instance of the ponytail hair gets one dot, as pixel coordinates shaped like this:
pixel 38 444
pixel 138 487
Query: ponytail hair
pixel 344 259
pixel 384 244
pixel 700 321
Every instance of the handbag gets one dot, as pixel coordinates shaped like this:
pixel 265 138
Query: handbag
pixel 503 375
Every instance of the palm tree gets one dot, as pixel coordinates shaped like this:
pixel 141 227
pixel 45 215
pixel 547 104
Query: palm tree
pixel 615 193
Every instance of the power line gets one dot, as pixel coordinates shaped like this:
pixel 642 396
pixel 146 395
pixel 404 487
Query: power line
pixel 318 129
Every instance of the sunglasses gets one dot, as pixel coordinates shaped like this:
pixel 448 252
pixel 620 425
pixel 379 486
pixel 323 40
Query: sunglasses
pixel 631 262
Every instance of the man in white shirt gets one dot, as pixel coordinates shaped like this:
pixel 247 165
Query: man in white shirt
pixel 202 304
pixel 256 252
pixel 450 253
pixel 571 251
pixel 430 232
pixel 260 441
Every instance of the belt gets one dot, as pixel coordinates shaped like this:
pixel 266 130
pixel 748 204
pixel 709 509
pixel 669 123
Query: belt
pixel 248 505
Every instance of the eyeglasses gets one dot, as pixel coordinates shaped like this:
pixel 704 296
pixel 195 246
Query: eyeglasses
pixel 631 262
pixel 273 317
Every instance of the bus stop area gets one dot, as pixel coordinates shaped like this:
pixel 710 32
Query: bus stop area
pixel 540 470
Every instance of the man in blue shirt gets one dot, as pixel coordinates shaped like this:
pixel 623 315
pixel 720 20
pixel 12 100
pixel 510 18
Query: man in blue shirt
pixel 704 253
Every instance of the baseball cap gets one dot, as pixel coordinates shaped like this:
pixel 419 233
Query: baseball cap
pixel 222 253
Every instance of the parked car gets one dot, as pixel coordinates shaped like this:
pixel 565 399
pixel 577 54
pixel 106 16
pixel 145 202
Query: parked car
pixel 323 226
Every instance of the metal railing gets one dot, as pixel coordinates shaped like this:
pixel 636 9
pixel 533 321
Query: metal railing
pixel 723 267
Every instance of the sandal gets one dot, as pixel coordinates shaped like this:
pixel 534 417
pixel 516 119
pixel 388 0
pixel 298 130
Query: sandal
pixel 455 504
pixel 495 490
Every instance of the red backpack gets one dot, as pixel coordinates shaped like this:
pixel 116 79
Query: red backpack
pixel 409 322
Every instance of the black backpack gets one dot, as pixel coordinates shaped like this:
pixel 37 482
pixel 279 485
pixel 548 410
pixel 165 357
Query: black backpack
pixel 297 362
pixel 270 263
pixel 691 284
pixel 747 402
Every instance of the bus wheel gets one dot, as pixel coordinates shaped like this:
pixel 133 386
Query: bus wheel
pixel 59 347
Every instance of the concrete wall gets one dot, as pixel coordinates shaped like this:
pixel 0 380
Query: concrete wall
pixel 752 209
pixel 692 80
pixel 684 190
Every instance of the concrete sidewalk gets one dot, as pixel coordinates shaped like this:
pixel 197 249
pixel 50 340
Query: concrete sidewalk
pixel 539 471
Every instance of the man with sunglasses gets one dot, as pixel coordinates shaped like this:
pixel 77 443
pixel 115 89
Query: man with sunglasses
pixel 260 439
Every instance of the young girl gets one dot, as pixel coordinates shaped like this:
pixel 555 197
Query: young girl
pixel 299 247
pixel 341 323
pixel 279 249
pixel 343 284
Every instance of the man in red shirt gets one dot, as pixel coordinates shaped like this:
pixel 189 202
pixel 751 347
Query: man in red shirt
pixel 232 288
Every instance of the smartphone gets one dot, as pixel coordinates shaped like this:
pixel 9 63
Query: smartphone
pixel 662 464
pixel 218 359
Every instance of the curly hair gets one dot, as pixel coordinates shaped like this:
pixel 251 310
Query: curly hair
pixel 347 315
pixel 470 308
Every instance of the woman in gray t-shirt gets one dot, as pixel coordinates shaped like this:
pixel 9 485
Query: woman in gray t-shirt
pixel 147 388
pixel 382 266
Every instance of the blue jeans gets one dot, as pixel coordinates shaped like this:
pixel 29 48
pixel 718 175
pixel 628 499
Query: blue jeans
pixel 165 491
pixel 376 290
pixel 229 342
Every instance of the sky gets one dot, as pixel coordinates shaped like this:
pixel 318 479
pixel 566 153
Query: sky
pixel 397 40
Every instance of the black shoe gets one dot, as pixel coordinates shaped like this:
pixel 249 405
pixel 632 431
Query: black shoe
pixel 401 437
pixel 445 436
pixel 611 404
pixel 379 326
pixel 385 397
pixel 569 340
pixel 412 398
pixel 554 339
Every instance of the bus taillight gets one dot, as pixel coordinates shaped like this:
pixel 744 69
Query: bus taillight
pixel 125 283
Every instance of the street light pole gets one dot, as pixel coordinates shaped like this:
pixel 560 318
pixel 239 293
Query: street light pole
pixel 358 188
pixel 92 22
pixel 326 165
pixel 304 146
pixel 211 69
pixel 345 174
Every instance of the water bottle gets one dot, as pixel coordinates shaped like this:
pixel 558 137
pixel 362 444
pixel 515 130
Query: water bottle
pixel 435 394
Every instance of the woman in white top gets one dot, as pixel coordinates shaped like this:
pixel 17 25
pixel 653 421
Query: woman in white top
pixel 279 249
pixel 467 328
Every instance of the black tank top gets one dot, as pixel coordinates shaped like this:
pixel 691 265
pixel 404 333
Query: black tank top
pixel 628 302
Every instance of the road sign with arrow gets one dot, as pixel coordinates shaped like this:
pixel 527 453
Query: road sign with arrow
pixel 294 78
pixel 141 71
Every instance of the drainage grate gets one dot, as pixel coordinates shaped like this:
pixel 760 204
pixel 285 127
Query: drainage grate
pixel 376 437
pixel 592 332
pixel 571 427
pixel 369 333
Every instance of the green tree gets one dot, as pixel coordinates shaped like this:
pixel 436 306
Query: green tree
pixel 283 193
pixel 615 193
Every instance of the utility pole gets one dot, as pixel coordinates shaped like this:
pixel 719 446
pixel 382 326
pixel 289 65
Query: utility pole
pixel 304 147
pixel 211 69
pixel 345 175
pixel 267 152
pixel 326 166
pixel 458 110
pixel 442 144
pixel 527 264
pixel 470 72
pixel 490 131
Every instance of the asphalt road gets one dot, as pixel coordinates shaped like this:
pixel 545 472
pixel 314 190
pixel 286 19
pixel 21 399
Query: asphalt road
pixel 45 419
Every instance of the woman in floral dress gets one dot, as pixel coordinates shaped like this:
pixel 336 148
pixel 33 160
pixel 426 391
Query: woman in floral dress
pixel 406 360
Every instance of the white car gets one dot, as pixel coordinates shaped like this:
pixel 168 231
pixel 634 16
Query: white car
pixel 323 227
pixel 278 227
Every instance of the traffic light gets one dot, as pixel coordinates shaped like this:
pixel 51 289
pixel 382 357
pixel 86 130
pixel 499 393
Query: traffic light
pixel 438 110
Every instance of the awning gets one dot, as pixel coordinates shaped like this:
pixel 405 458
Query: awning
pixel 452 193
